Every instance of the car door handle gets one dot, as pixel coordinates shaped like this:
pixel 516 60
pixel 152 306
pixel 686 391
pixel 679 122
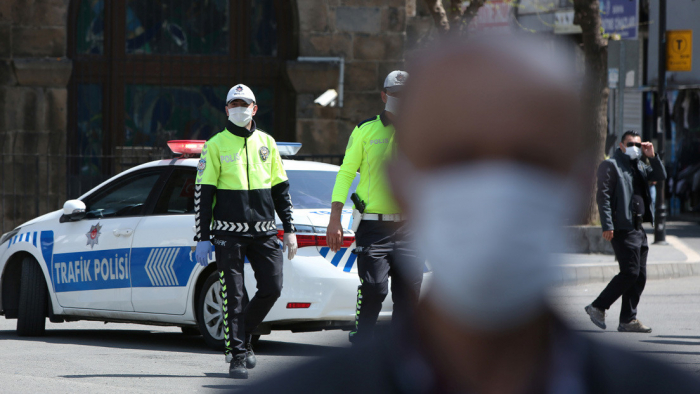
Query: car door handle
pixel 123 232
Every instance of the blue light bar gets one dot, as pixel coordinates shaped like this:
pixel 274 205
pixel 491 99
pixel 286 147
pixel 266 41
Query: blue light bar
pixel 288 148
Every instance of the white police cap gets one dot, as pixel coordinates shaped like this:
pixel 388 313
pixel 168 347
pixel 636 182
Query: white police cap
pixel 395 80
pixel 241 92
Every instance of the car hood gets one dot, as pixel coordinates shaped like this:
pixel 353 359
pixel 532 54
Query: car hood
pixel 55 215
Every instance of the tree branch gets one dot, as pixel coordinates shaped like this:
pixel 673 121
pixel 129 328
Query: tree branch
pixel 439 16
pixel 595 91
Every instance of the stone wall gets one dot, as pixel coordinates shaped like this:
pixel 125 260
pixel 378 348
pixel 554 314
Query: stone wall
pixel 34 74
pixel 370 35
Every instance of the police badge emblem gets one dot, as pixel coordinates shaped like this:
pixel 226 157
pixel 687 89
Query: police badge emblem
pixel 201 166
pixel 401 78
pixel 93 236
pixel 264 153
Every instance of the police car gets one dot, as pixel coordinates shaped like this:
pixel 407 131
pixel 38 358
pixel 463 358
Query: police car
pixel 124 252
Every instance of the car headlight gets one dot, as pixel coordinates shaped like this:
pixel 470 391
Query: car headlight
pixel 9 235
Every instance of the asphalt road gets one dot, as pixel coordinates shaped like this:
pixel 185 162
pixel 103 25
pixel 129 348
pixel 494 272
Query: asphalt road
pixel 91 357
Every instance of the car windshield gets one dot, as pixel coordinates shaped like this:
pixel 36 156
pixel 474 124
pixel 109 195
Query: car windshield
pixel 314 189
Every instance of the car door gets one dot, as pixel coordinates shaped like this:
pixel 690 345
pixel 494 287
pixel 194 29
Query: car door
pixel 91 260
pixel 163 263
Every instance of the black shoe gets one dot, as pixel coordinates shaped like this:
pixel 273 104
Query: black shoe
pixel 250 360
pixel 237 369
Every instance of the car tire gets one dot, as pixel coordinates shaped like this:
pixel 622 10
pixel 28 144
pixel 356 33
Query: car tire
pixel 194 331
pixel 33 300
pixel 209 315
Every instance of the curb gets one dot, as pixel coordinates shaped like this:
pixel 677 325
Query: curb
pixel 575 274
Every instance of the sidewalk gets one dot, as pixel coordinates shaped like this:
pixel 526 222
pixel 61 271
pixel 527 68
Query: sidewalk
pixel 664 261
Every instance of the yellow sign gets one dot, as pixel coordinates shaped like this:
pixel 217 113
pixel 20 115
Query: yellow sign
pixel 679 50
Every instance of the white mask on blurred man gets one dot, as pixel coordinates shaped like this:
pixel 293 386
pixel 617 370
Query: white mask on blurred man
pixel 487 230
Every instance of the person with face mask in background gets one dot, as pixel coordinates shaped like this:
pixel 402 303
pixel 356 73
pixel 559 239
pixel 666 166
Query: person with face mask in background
pixel 624 203
pixel 487 188
pixel 240 185
pixel 371 144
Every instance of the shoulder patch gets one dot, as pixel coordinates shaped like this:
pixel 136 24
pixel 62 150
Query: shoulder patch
pixel 366 121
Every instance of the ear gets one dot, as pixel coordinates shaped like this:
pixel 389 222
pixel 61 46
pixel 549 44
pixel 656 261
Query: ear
pixel 383 97
pixel 622 147
pixel 226 109
pixel 255 109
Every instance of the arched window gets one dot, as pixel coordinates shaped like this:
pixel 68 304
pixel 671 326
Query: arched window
pixel 148 71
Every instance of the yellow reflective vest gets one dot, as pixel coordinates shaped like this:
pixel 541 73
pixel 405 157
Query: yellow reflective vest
pixel 240 185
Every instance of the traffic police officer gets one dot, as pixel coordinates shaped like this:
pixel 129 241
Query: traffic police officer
pixel 240 185
pixel 380 253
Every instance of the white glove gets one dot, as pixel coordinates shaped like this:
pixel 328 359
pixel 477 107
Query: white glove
pixel 290 244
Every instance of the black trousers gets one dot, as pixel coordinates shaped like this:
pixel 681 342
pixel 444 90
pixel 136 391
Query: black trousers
pixel 631 250
pixel 242 317
pixel 383 252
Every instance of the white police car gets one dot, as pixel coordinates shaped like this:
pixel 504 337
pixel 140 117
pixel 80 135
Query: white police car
pixel 124 252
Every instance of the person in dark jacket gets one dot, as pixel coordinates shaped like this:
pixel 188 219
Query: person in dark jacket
pixel 624 203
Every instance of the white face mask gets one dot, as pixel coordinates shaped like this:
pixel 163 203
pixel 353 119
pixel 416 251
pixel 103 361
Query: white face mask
pixel 392 104
pixel 488 231
pixel 240 116
pixel 633 152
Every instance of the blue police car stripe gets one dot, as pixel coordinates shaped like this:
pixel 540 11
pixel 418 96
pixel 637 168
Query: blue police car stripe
pixel 338 256
pixel 350 262
pixel 91 270
pixel 162 267
pixel 324 251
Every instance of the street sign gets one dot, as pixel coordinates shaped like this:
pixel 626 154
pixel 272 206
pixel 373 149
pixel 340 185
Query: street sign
pixel 679 50
pixel 620 17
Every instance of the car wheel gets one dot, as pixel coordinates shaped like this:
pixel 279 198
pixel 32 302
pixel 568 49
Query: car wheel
pixel 190 331
pixel 210 318
pixel 33 300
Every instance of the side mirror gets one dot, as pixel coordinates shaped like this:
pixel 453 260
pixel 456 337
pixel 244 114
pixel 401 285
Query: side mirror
pixel 74 210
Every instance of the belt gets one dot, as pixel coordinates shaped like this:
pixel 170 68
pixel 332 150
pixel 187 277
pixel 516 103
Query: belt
pixel 394 217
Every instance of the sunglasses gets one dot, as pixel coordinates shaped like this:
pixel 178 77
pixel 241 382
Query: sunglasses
pixel 637 144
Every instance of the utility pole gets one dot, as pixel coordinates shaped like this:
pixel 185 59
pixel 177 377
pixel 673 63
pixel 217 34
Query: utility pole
pixel 660 222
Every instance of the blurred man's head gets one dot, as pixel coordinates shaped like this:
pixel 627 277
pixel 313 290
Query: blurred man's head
pixel 491 140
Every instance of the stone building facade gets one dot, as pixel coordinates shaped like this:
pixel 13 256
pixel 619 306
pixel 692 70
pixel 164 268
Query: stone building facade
pixel 371 36
pixel 37 71
pixel 34 74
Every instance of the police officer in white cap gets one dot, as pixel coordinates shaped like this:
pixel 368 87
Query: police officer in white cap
pixel 240 186
pixel 378 246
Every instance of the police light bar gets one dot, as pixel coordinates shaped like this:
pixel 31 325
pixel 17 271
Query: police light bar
pixel 186 147
pixel 288 148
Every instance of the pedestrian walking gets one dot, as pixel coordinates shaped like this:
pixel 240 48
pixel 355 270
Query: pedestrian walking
pixel 624 203
pixel 377 218
pixel 240 185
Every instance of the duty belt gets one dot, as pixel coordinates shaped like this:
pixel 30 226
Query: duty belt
pixel 259 227
pixel 394 217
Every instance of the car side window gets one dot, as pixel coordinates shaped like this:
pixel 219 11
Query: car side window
pixel 123 197
pixel 178 194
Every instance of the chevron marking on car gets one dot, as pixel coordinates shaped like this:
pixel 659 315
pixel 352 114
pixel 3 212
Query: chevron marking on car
pixel 30 237
pixel 159 266
pixel 344 258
